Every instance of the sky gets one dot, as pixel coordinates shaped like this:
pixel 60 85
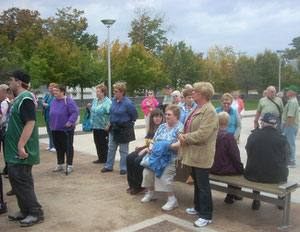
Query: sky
pixel 249 26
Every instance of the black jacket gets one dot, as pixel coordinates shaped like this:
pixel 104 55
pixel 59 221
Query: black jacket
pixel 268 156
pixel 123 132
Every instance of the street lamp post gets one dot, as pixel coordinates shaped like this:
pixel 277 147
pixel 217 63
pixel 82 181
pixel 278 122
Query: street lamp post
pixel 108 23
pixel 280 52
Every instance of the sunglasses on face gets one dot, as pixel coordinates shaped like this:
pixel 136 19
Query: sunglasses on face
pixel 226 103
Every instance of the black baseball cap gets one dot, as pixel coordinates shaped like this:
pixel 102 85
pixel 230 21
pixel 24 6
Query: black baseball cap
pixel 20 74
pixel 269 118
pixel 169 87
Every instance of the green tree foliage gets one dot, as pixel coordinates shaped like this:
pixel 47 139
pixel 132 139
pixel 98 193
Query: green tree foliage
pixel 181 65
pixel 149 30
pixel 222 61
pixel 244 74
pixel 69 25
pixel 267 66
pixel 294 53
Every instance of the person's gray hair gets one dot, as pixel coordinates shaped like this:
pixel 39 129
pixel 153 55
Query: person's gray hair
pixel 265 124
pixel 176 92
pixel 279 94
pixel 268 89
pixel 3 88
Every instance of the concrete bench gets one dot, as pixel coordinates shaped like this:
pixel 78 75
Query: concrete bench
pixel 282 192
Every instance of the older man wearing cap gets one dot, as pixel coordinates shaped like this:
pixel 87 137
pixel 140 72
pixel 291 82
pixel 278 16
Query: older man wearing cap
pixel 22 150
pixel 268 154
pixel 290 121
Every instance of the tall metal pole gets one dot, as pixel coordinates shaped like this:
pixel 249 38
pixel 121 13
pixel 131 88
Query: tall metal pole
pixel 108 64
pixel 108 23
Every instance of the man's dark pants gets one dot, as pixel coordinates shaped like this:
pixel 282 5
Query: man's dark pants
pixel 21 180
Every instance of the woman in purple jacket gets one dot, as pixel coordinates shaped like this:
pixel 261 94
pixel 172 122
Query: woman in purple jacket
pixel 227 159
pixel 63 114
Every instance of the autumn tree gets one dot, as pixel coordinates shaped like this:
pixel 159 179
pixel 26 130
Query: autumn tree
pixel 149 29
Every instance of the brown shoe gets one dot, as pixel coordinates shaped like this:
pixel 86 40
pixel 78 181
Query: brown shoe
pixel 10 193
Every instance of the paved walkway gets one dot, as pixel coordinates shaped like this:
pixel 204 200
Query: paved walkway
pixel 87 200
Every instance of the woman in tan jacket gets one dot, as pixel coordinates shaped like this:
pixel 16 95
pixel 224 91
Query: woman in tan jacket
pixel 198 141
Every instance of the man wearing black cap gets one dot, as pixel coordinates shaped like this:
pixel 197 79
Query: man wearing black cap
pixel 22 150
pixel 268 154
pixel 290 121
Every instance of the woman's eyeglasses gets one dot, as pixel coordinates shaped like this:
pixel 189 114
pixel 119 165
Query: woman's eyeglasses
pixel 226 103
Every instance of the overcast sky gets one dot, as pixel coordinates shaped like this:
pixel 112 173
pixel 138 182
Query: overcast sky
pixel 249 26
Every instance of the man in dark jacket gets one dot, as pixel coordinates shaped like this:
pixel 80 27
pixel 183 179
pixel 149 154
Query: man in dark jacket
pixel 268 155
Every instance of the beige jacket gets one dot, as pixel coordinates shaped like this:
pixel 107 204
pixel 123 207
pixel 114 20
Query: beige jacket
pixel 201 139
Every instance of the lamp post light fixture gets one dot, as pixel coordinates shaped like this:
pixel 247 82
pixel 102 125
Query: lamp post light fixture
pixel 280 52
pixel 108 23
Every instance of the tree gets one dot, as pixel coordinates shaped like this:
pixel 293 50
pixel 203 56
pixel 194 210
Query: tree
pixel 181 65
pixel 149 30
pixel 69 25
pixel 267 66
pixel 222 60
pixel 293 53
pixel 245 74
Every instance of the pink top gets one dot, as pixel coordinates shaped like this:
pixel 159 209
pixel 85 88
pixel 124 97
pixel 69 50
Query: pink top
pixel 188 121
pixel 147 108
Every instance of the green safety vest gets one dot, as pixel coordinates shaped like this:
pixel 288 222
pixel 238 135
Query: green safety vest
pixel 14 130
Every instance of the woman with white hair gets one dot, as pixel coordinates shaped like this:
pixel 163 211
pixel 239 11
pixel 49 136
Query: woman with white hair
pixel 176 97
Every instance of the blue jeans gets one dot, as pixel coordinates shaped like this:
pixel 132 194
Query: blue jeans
pixel 112 148
pixel 49 131
pixel 202 193
pixel 290 133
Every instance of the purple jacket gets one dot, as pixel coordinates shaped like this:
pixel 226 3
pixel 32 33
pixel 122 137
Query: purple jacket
pixel 62 113
pixel 227 159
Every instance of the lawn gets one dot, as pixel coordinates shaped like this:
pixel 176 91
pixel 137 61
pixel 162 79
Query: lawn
pixel 249 105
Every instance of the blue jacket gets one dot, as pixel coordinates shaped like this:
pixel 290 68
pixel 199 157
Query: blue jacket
pixel 160 157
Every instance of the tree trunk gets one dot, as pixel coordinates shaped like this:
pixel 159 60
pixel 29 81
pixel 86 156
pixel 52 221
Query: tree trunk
pixel 81 96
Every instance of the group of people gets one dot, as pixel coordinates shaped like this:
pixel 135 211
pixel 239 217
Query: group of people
pixel 186 123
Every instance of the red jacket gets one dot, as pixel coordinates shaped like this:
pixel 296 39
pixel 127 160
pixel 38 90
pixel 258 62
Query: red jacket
pixel 146 108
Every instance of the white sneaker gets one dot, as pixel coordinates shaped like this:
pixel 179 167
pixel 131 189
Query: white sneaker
pixel 171 204
pixel 149 196
pixel 47 149
pixel 58 168
pixel 191 211
pixel 70 169
pixel 202 222
pixel 53 149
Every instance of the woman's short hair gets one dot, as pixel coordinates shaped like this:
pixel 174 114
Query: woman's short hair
pixel 52 85
pixel 176 92
pixel 102 88
pixel 227 97
pixel 206 89
pixel 3 88
pixel 224 119
pixel 175 109
pixel 61 88
pixel 235 92
pixel 188 92
pixel 120 86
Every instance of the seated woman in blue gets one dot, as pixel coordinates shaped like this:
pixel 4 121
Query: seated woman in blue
pixel 162 179
pixel 235 125
pixel 188 104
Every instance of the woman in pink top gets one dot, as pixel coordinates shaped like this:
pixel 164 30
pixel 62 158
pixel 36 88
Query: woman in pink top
pixel 148 104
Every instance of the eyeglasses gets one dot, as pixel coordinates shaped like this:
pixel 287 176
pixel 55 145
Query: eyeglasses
pixel 226 103
pixel 150 93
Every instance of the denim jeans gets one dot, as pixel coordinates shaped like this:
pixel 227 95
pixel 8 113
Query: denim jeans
pixel 290 133
pixel 112 148
pixel 49 131
pixel 202 193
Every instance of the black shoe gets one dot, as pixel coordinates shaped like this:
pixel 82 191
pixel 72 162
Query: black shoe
pixel 129 190
pixel 10 193
pixel 106 170
pixel 123 172
pixel 255 205
pixel 3 208
pixel 229 199
pixel 31 220
pixel 4 171
pixel 137 192
pixel 17 216
pixel 96 161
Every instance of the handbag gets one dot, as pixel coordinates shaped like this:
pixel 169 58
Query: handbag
pixel 183 171
pixel 86 123
pixel 145 161
pixel 78 118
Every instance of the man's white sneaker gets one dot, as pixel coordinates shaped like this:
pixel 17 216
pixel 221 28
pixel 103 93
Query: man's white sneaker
pixel 58 168
pixel 47 149
pixel 191 211
pixel 70 169
pixel 202 222
pixel 171 204
pixel 53 149
pixel 149 196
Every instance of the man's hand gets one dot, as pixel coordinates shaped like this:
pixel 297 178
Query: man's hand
pixel 22 152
